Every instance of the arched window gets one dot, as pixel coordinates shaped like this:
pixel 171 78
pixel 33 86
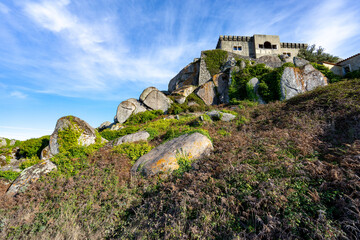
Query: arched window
pixel 267 45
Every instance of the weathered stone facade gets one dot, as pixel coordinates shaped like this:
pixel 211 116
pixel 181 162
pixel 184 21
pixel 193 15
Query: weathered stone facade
pixel 258 45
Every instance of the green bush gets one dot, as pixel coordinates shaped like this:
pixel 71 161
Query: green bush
pixel 143 117
pixel 353 74
pixel 33 147
pixel 133 150
pixel 184 163
pixel 269 86
pixel 327 72
pixel 214 60
pixel 9 175
pixel 29 162
pixel 316 55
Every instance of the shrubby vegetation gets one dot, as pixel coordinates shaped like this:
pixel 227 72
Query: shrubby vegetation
pixel 9 175
pixel 269 86
pixel 327 72
pixel 143 117
pixel 33 147
pixel 177 108
pixel 133 150
pixel 316 55
pixel 214 60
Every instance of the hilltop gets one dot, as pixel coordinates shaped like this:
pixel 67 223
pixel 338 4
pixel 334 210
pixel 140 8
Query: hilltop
pixel 287 169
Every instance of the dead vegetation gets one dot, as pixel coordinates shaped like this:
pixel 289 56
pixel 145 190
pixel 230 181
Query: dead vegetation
pixel 286 170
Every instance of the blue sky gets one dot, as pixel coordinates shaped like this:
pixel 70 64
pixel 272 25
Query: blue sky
pixel 83 58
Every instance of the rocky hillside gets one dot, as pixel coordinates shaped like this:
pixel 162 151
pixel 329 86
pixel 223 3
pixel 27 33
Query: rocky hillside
pixel 205 159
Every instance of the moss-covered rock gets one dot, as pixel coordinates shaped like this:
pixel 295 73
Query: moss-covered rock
pixel 70 132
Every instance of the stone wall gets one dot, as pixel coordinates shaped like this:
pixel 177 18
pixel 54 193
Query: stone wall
pixel 254 46
pixel 353 63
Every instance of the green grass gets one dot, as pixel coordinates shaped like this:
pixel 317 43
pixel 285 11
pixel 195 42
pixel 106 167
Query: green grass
pixel 133 150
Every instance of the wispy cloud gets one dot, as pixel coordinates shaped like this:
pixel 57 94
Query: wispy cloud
pixel 331 24
pixel 18 94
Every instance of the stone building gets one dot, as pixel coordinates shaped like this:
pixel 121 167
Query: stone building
pixel 258 45
pixel 347 65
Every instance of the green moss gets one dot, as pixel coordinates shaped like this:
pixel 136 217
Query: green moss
pixel 133 150
pixel 214 59
pixel 229 111
pixel 9 175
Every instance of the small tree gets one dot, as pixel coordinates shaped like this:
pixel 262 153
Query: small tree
pixel 317 55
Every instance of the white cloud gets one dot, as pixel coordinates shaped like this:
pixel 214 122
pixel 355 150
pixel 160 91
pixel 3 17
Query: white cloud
pixel 18 94
pixel 330 24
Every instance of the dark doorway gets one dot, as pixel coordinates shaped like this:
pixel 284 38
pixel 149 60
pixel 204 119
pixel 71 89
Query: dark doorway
pixel 267 45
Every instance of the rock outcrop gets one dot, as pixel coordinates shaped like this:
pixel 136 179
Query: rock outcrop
pixel 181 94
pixel 295 81
pixel 254 82
pixel 134 137
pixel 204 74
pixel 164 157
pixel 221 82
pixel 207 92
pixel 217 115
pixel 128 107
pixel 155 99
pixel 299 62
pixel 87 134
pixel 272 61
pixel 29 176
pixel 3 142
pixel 189 75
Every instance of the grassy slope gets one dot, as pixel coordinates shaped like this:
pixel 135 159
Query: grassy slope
pixel 291 171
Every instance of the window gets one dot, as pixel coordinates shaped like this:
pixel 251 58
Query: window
pixel 267 45
pixel 235 48
pixel 274 47
pixel 261 45
pixel 289 54
pixel 347 69
pixel 239 48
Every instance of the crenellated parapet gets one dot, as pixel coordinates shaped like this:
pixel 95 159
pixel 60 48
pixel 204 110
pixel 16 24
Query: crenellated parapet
pixel 294 45
pixel 258 45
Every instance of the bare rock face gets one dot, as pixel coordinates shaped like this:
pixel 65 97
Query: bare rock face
pixel 87 136
pixel 155 99
pixel 29 176
pixel 189 75
pixel 299 62
pixel 3 142
pixel 272 61
pixel 181 94
pixel 221 82
pixel 207 93
pixel 255 83
pixel 128 107
pixel 45 153
pixel 134 137
pixel 164 157
pixel 295 81
pixel 104 125
pixel 216 115
pixel 204 74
